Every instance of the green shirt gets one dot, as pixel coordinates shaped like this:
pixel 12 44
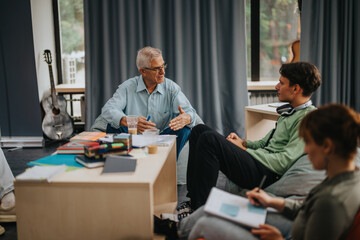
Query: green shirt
pixel 285 146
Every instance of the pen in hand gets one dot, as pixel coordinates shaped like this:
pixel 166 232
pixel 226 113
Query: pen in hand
pixel 148 118
pixel 261 183
pixel 260 187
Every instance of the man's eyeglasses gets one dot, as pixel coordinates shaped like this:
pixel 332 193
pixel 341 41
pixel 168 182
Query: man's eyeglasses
pixel 158 69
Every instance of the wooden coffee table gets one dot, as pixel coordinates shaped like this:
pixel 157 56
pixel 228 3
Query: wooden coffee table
pixel 83 204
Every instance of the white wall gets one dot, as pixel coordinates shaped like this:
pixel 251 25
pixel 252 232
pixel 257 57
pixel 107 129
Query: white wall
pixel 44 38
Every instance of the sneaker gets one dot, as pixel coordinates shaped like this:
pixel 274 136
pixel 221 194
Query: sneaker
pixel 165 227
pixel 7 215
pixel 184 207
pixel 2 230
pixel 175 217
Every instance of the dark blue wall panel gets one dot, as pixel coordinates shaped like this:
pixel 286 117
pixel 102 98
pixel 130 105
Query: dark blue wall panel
pixel 20 113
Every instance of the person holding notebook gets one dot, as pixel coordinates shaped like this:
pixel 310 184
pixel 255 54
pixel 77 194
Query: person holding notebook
pixel 331 134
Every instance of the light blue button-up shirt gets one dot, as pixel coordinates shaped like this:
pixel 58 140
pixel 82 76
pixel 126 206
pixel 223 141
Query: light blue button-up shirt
pixel 132 98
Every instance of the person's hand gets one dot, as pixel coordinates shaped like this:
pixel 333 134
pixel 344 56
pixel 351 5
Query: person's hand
pixel 267 232
pixel 143 124
pixel 180 121
pixel 235 139
pixel 123 122
pixel 259 198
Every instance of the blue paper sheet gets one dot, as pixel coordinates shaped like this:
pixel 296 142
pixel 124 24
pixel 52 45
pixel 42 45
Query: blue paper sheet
pixel 256 209
pixel 57 159
pixel 229 209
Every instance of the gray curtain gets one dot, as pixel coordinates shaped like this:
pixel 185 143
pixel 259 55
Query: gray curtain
pixel 203 42
pixel 20 112
pixel 330 37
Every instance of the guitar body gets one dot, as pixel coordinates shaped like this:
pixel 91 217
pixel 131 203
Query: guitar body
pixel 294 51
pixel 57 124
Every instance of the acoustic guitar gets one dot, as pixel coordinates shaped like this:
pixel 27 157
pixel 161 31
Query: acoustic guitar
pixel 294 51
pixel 57 123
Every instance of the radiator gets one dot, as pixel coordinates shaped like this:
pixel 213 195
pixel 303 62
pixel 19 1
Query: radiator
pixel 262 97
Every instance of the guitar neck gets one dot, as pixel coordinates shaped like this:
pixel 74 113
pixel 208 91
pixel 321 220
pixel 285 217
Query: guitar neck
pixel 52 84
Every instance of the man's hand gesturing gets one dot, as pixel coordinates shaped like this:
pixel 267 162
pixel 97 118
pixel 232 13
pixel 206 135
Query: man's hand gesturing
pixel 180 121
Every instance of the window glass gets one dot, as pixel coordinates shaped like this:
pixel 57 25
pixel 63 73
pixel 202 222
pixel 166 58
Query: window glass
pixel 71 21
pixel 72 41
pixel 278 29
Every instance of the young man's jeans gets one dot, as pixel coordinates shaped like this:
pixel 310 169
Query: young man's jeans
pixel 182 135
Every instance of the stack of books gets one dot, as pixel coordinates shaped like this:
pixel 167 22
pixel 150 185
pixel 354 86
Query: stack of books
pixel 124 138
pixel 103 150
pixel 78 143
pixel 86 149
pixel 90 162
pixel 75 147
pixel 88 137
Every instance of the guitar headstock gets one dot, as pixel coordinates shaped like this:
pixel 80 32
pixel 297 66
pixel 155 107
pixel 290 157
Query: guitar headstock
pixel 47 56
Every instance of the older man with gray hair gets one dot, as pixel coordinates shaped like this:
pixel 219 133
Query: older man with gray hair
pixel 157 101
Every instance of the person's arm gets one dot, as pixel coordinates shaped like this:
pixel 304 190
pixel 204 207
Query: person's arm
pixel 236 140
pixel 259 143
pixel 112 111
pixel 284 149
pixel 185 113
pixel 292 207
pixel 180 121
pixel 289 207
pixel 244 144
pixel 259 197
pixel 326 220
pixel 267 232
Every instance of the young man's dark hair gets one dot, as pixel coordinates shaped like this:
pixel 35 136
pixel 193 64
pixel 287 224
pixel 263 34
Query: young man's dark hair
pixel 306 75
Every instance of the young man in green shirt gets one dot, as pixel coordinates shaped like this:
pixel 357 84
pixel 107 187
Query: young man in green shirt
pixel 246 162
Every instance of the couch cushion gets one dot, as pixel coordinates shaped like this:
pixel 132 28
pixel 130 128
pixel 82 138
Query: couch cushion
pixel 298 180
pixel 295 183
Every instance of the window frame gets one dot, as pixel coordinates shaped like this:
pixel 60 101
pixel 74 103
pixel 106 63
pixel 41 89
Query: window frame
pixel 56 15
pixel 255 40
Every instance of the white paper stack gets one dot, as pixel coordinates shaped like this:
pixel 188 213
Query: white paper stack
pixel 41 173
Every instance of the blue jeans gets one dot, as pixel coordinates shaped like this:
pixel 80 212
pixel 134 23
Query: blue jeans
pixel 182 135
